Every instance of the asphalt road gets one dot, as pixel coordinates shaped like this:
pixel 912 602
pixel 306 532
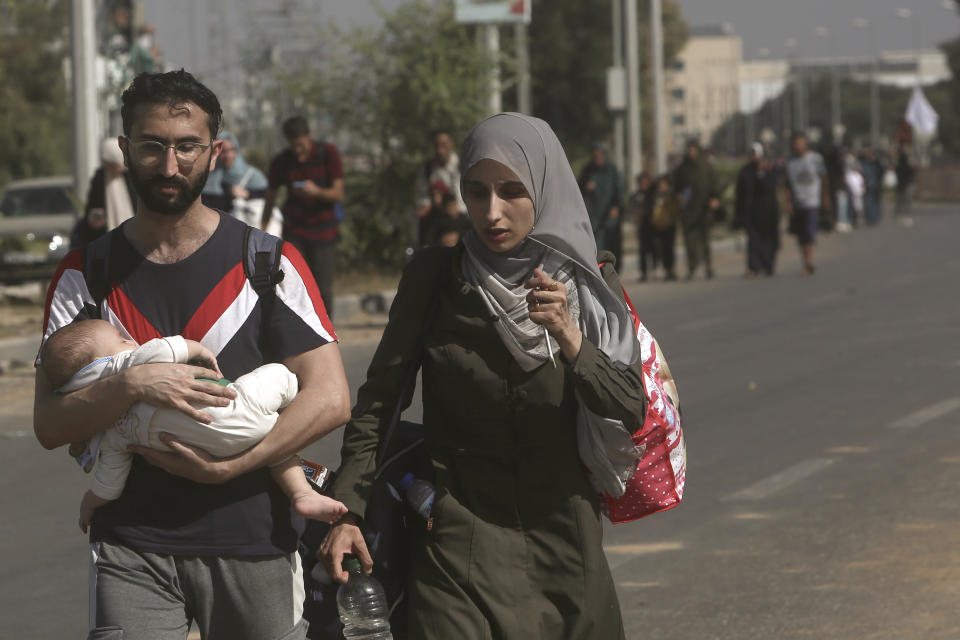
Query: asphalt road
pixel 821 416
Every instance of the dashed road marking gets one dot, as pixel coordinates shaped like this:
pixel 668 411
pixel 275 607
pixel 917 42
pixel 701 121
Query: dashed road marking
pixel 927 414
pixel 643 549
pixel 779 481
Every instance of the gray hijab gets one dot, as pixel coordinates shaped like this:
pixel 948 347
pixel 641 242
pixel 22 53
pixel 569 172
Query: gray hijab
pixel 562 241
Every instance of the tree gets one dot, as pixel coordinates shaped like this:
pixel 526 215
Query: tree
pixel 34 100
pixel 385 89
pixel 570 50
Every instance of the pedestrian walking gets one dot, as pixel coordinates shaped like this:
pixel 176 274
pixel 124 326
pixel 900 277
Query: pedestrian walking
pixel 856 188
pixel 312 175
pixel 637 209
pixel 603 195
pixel 663 211
pixel 809 193
pixel 110 192
pixel 906 176
pixel 872 169
pixel 191 539
pixel 522 337
pixel 758 212
pixel 695 184
pixel 440 175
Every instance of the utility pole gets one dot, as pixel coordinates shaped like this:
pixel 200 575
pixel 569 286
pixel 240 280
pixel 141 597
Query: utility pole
pixel 491 37
pixel 523 69
pixel 874 103
pixel 86 130
pixel 634 152
pixel 659 109
pixel 618 124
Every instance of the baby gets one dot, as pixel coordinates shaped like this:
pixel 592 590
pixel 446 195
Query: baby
pixel 82 352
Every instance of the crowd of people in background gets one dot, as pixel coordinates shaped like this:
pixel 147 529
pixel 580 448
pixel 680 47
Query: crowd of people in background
pixel 804 193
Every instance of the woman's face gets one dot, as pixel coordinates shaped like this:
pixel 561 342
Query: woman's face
pixel 228 154
pixel 498 204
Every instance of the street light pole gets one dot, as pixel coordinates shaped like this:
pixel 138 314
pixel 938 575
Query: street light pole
pixel 491 37
pixel 863 23
pixel 659 110
pixel 634 155
pixel 86 120
pixel 618 124
pixel 523 69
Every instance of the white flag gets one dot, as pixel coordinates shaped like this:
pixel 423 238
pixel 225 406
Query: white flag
pixel 921 115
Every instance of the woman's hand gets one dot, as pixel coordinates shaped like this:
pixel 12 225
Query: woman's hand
pixel 344 537
pixel 547 302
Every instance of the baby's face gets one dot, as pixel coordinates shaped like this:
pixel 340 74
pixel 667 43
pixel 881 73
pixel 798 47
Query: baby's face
pixel 110 341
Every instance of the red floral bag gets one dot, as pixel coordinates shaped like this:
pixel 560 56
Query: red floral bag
pixel 657 484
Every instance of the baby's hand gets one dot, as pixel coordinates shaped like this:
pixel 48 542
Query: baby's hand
pixel 199 354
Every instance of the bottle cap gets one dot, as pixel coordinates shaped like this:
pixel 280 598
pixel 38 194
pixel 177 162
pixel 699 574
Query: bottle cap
pixel 406 480
pixel 350 563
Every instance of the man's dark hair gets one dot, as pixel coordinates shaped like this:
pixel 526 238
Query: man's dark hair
pixel 295 127
pixel 797 135
pixel 442 131
pixel 172 88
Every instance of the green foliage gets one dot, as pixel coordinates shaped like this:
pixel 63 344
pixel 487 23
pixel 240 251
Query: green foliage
pixel 34 100
pixel 385 89
pixel 570 50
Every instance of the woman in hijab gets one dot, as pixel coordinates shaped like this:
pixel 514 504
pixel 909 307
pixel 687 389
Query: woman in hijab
pixel 239 179
pixel 529 373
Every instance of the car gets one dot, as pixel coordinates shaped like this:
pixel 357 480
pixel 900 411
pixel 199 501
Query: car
pixel 36 219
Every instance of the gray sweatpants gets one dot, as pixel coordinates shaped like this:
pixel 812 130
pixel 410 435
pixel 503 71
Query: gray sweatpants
pixel 149 596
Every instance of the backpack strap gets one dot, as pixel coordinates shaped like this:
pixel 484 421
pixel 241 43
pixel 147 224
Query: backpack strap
pixel 96 273
pixel 261 264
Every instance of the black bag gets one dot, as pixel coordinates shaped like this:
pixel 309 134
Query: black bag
pixel 390 528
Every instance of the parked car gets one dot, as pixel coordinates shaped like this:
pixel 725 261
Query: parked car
pixel 36 218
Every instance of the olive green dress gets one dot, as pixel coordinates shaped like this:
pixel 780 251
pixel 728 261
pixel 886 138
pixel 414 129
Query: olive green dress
pixel 515 550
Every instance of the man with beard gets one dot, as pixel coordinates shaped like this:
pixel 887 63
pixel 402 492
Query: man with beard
pixel 192 538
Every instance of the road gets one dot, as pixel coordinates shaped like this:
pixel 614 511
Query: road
pixel 821 416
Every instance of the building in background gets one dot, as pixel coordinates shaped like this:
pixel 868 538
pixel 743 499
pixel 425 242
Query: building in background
pixel 703 85
pixel 710 84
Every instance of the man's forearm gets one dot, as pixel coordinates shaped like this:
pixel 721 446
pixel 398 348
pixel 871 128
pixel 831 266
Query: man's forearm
pixel 322 405
pixel 59 419
pixel 304 421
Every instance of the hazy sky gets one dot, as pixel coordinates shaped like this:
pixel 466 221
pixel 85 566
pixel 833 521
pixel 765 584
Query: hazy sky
pixel 768 24
pixel 185 27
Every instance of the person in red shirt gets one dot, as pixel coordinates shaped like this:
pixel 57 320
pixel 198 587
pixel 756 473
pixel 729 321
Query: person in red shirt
pixel 312 174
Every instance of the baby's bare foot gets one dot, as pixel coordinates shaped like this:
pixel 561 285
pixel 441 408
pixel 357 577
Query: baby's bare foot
pixel 318 507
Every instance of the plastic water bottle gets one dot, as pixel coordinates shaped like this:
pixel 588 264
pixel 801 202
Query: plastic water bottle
pixel 362 605
pixel 419 494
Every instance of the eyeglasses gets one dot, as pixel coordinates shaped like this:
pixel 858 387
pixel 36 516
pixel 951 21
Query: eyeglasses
pixel 149 153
